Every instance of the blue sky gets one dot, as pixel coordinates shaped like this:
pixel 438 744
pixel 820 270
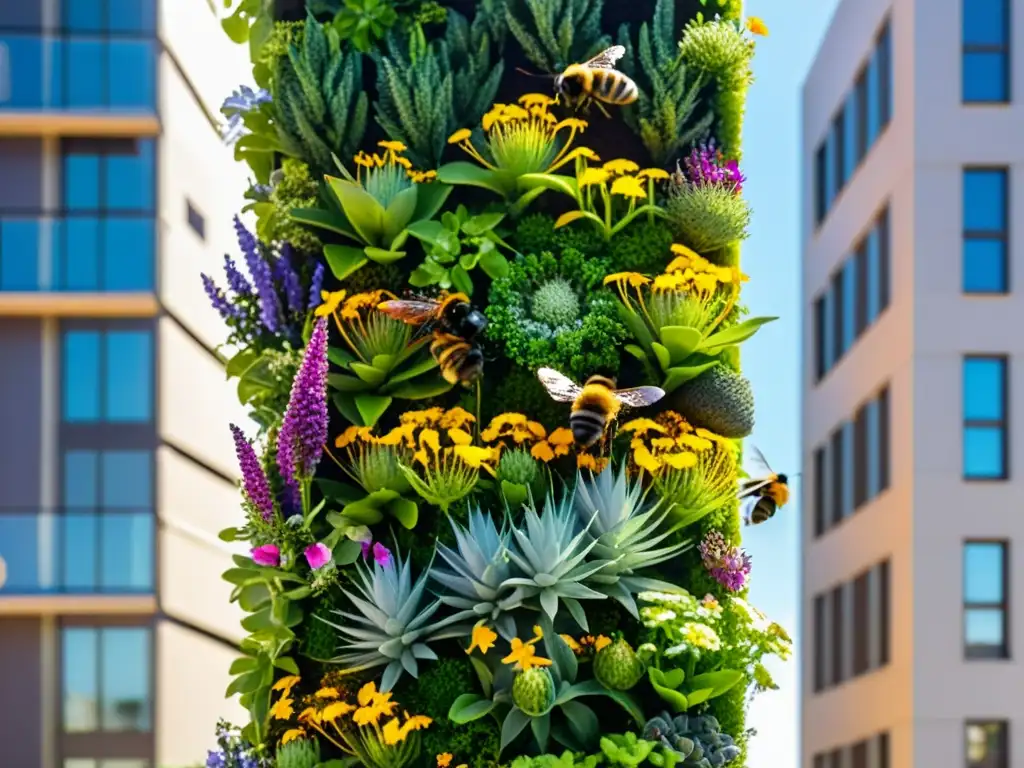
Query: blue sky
pixel 772 358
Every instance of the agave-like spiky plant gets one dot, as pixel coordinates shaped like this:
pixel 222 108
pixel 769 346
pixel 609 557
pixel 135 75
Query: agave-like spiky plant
pixel 624 533
pixel 390 626
pixel 480 568
pixel 552 560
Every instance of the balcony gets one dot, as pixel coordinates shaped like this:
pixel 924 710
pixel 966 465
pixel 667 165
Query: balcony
pixel 61 84
pixel 76 552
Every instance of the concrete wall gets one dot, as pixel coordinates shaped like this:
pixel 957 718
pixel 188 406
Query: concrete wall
pixel 21 691
pixel 20 407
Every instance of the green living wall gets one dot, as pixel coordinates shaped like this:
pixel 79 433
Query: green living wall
pixel 464 550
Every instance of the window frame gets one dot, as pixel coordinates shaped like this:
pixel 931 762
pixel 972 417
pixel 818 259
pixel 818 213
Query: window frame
pixel 1004 733
pixel 1002 424
pixel 1002 652
pixel 1003 49
pixel 986 235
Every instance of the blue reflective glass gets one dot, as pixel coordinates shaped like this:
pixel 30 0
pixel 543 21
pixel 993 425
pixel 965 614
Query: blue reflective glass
pixel 81 475
pixel 80 685
pixel 983 453
pixel 80 551
pixel 874 292
pixel 984 200
pixel 84 15
pixel 848 473
pixel 19 255
pixel 129 254
pixel 829 345
pixel 984 22
pixel 81 188
pixel 874 452
pixel 85 84
pixel 127 551
pixel 850 158
pixel 983 572
pixel 24 61
pixel 985 77
pixel 820 181
pixel 984 266
pixel 849 303
pixel 984 626
pixel 19 548
pixel 127 480
pixel 135 16
pixel 80 374
pixel 132 73
pixel 983 381
pixel 78 260
pixel 831 172
pixel 886 86
pixel 126 667
pixel 874 122
pixel 129 376
pixel 129 180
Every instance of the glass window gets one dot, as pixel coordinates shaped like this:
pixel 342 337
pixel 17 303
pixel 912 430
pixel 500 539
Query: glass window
pixel 19 255
pixel 839 153
pixel 883 571
pixel 985 68
pixel 829 346
pixel 838 315
pixel 985 215
pixel 820 326
pixel 831 167
pixel 106 674
pixel 819 642
pixel 850 158
pixel 839 639
pixel 873 438
pixel 985 572
pixel 987 744
pixel 885 82
pixel 984 409
pixel 836 448
pixel 861 626
pixel 874 99
pixel 849 303
pixel 848 469
pixel 821 199
pixel 884 235
pixel 820 495
pixel 107 376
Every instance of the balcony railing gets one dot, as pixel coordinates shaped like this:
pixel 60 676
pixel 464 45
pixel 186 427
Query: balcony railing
pixel 77 253
pixel 76 72
pixel 77 551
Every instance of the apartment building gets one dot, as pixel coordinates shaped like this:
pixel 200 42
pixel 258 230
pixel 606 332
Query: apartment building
pixel 912 152
pixel 116 470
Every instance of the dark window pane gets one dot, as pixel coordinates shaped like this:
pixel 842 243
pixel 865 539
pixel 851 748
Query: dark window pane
pixel 983 453
pixel 838 315
pixel 874 117
pixel 987 745
pixel 819 761
pixel 126 674
pixel 985 77
pixel 80 548
pixel 21 539
pixel 874 275
pixel 135 16
pixel 848 469
pixel 863 289
pixel 81 478
pixel 884 449
pixel 821 198
pixel 80 681
pixel 129 376
pixel 81 185
pixel 850 158
pixel 849 303
pixel 81 376
pixel 984 571
pixel 129 183
pixel 838 636
pixel 830 353
pixel 859 755
pixel 21 159
pixel 195 219
pixel 25 16
pixel 883 614
pixel 885 84
pixel 873 438
pixel 883 751
pixel 820 496
pixel 126 547
pixel 86 73
pixel 84 15
pixel 132 73
pixel 25 63
pixel 838 153
pixel 861 94
pixel 820 331
pixel 79 262
pixel 128 254
pixel 861 625
pixel 838 465
pixel 862 456
pixel 127 480
pixel 984 22
pixel 984 395
pixel 984 202
pixel 19 255
pixel 884 262
pixel 835 759
pixel 984 265
pixel 819 642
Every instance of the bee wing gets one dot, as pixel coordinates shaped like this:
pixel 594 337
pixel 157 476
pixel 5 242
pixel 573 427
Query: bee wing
pixel 638 397
pixel 412 311
pixel 758 466
pixel 607 59
pixel 747 508
pixel 561 388
pixel 748 488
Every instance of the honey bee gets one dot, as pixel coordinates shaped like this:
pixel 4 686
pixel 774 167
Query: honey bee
pixel 455 323
pixel 596 404
pixel 595 81
pixel 764 493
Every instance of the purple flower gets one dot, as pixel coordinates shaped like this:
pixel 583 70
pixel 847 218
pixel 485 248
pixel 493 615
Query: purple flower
pixel 270 308
pixel 217 298
pixel 728 565
pixel 290 279
pixel 254 480
pixel 317 555
pixel 705 166
pixel 366 548
pixel 268 554
pixel 236 106
pixel 236 280
pixel 300 443
pixel 381 554
pixel 315 286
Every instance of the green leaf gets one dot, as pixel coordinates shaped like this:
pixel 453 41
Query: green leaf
pixel 257 621
pixel 569 217
pixel 719 682
pixel 461 172
pixel 734 335
pixel 364 213
pixel 664 685
pixel 515 723
pixel 681 341
pixel 384 362
pixel 347 552
pixel 346 405
pixel 698 696
pixel 427 231
pixel 372 407
pixel 343 383
pixel 242 664
pixel 663 355
pixel 372 376
pixel 300 593
pixel 340 357
pixel 637 352
pixel 229 534
pixel 468 261
pixel 236 27
pixel 421 390
pixel 469 707
pixel 420 367
pixel 582 720
pixel 676 377
pixel 241 362
pixel 494 265
pixel 559 652
pixel 382 256
pixel 253 597
pixel 344 260
pixel 287 663
pixel 241 575
pixel 484 674
pixel 636 325
pixel 343 492
pixel 363 512
pixel 484 222
pixel 247 683
pixel 515 494
pixel 332 221
pixel 405 511
pixel 399 212
pixel 429 199
pixel 462 280
pixel 567 185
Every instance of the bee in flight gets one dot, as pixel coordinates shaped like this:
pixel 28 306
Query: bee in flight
pixel 455 323
pixel 764 492
pixel 595 81
pixel 596 404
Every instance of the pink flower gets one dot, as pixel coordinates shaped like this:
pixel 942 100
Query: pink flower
pixel 381 554
pixel 268 554
pixel 366 547
pixel 317 555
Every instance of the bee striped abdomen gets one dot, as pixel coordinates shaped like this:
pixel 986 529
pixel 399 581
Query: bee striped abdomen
pixel 613 87
pixel 459 360
pixel 591 412
pixel 763 510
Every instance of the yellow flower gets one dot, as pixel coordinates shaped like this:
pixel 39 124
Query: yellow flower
pixel 629 186
pixel 593 176
pixel 460 437
pixel 634 279
pixel 286 684
pixel 422 177
pixel 331 302
pixel 393 146
pixel 363 160
pixel 460 136
pixel 335 710
pixel 571 642
pixel 756 26
pixel 602 642
pixel 524 655
pixel 642 426
pixel 561 437
pixel 483 639
pixel 292 734
pixel 542 451
pixel 621 166
pixel 353 434
pixel 327 693
pixel 457 418
pixel 392 732
pixel 595 464
pixel 654 174
pixel 536 100
pixel 682 250
pixel 415 723
pixel 310 715
pixel 282 709
pixel 445 759
pixel 477 457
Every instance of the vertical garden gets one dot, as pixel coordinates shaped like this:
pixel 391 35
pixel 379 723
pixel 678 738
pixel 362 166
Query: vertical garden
pixel 486 315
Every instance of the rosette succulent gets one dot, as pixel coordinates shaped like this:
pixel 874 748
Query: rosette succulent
pixel 698 740
pixel 549 311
